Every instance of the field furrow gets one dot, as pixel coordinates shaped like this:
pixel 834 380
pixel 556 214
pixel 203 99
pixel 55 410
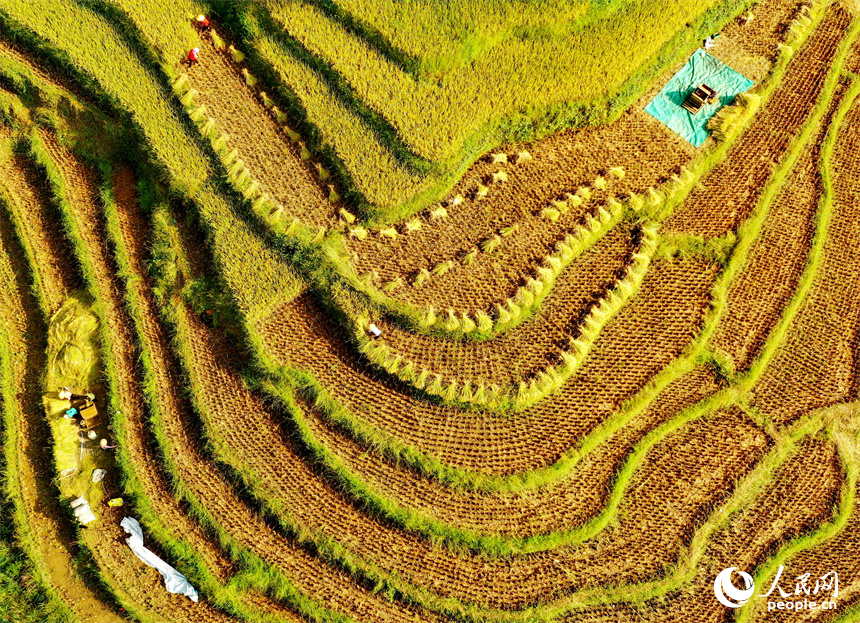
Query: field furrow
pixel 31 207
pixel 251 443
pixel 143 584
pixel 176 426
pixel 644 149
pixel 220 392
pixel 796 500
pixel 727 195
pixel 201 477
pixel 534 345
pixel 645 336
pixel 819 364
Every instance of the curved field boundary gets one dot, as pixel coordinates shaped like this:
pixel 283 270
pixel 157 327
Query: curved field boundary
pixel 525 301
pixel 126 229
pixel 571 501
pixel 747 233
pixel 575 114
pixel 76 193
pixel 268 497
pixel 460 392
pixel 845 435
pixel 32 499
pixel 297 573
pixel 29 205
pixel 661 206
pixel 287 566
pixel 254 442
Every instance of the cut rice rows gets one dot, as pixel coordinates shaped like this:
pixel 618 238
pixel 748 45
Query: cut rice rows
pixel 646 335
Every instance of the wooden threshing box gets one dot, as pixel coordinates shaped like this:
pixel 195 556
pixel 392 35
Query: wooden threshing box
pixel 698 98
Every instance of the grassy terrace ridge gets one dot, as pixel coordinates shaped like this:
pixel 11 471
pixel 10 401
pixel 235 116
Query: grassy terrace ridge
pixel 295 469
pixel 90 275
pixel 253 573
pixel 723 399
pixel 169 138
pixel 424 320
pixel 816 253
pixel 527 392
pixel 747 234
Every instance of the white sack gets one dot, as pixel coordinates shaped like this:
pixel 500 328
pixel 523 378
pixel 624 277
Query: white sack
pixel 174 581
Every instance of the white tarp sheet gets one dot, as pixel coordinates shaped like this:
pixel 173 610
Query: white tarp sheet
pixel 174 581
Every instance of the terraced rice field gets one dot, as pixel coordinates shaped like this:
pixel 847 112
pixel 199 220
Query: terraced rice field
pixel 502 357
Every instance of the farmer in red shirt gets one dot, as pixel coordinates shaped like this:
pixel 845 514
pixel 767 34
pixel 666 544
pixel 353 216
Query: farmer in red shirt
pixel 192 55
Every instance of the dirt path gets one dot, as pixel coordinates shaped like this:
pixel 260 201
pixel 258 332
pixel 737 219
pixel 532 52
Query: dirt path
pixel 48 530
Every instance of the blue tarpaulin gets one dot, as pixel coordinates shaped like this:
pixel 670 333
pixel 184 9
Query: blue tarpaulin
pixel 702 68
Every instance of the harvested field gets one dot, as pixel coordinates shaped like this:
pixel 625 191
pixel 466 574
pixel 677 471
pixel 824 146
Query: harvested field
pixel 492 276
pixel 758 295
pixel 139 581
pixel 272 160
pixel 41 528
pixel 604 367
pixel 818 364
pixel 536 343
pixel 579 497
pixel 646 150
pixel 662 320
pixel 727 196
pixel 304 498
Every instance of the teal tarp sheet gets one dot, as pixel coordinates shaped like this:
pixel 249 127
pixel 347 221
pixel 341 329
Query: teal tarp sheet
pixel 701 68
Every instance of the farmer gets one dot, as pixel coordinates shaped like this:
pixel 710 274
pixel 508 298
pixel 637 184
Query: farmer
pixel 104 445
pixel 203 22
pixel 192 55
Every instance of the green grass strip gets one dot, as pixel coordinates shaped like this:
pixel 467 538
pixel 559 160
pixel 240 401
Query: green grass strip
pixel 56 183
pixel 724 398
pixel 414 317
pixel 498 545
pixel 227 597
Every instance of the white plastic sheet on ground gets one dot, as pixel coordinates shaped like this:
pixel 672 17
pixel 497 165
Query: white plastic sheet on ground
pixel 174 581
